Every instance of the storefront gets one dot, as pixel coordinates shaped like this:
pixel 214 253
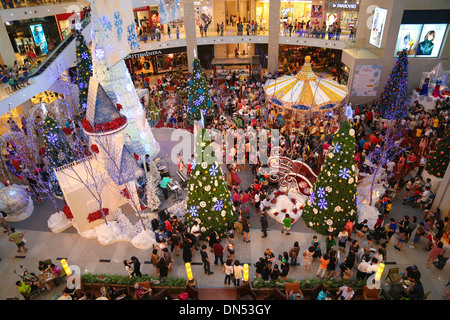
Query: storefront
pixel 149 17
pixel 244 68
pixel 344 12
pixel 40 34
pixel 157 61
pixel 291 11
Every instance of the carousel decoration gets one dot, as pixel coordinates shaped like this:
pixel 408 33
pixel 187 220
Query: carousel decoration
pixel 305 91
pixel 290 173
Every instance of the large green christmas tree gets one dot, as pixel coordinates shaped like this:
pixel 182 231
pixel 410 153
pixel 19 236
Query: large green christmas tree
pixel 438 158
pixel 394 97
pixel 199 98
pixel 209 200
pixel 334 198
pixel 84 69
pixel 57 150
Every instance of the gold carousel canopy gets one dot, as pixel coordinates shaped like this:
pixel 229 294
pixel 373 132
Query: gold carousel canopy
pixel 305 91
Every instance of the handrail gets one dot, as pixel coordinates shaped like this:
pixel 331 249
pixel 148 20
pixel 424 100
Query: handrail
pixel 55 52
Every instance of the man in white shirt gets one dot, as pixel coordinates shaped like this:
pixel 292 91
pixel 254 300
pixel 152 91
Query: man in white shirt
pixel 345 293
pixel 363 269
pixel 196 231
pixel 390 167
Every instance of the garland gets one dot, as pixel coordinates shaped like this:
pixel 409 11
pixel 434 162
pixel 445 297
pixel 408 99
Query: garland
pixel 97 215
pixel 104 127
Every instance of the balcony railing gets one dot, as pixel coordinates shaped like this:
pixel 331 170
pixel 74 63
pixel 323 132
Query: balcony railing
pixel 12 4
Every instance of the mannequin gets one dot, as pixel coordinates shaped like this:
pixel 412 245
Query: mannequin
pixel 424 91
pixel 437 93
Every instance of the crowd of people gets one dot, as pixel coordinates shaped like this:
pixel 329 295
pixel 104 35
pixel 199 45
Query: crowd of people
pixel 358 250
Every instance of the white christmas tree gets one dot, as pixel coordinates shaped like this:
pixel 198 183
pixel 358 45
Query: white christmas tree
pixel 151 195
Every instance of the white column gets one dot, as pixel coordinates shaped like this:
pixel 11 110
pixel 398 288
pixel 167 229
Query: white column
pixel 7 51
pixel 274 35
pixel 189 26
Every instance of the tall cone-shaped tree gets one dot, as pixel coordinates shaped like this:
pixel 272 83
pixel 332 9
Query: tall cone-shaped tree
pixel 209 200
pixel 438 158
pixel 394 97
pixel 199 99
pixel 57 149
pixel 84 69
pixel 334 199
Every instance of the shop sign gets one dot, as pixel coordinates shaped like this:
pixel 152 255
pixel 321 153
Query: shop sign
pixel 144 54
pixel 344 5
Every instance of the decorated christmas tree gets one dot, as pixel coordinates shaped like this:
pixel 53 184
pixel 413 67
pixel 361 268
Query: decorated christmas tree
pixel 334 199
pixel 57 150
pixel 394 98
pixel 84 69
pixel 438 158
pixel 199 98
pixel 209 200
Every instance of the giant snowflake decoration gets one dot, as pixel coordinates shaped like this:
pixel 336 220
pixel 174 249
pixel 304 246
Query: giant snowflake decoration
pixel 193 211
pixel 312 197
pixel 344 173
pixel 337 148
pixel 118 22
pixel 201 98
pixel 321 192
pixel 197 102
pixel 84 55
pixel 219 205
pixel 323 203
pixel 133 41
pixel 106 25
pixel 99 53
pixel 52 138
pixel 214 170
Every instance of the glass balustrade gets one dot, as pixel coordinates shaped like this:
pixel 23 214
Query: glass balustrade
pixel 12 4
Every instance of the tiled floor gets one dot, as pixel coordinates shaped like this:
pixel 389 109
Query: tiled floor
pixel 88 253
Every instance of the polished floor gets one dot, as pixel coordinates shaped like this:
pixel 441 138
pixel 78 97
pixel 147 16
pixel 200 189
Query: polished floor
pixel 92 257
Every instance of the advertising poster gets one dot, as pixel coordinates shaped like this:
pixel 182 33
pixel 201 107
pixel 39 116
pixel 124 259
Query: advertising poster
pixel 316 15
pixel 331 18
pixel 431 40
pixel 365 80
pixel 203 15
pixel 378 24
pixel 39 37
pixel 408 39
pixel 169 10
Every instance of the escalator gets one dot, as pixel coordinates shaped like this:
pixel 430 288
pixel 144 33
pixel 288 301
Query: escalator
pixel 54 54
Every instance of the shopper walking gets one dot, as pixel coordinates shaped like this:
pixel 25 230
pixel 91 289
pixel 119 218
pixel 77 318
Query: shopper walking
pixel 17 238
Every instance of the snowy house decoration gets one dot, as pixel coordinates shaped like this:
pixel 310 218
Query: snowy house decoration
pixel 99 179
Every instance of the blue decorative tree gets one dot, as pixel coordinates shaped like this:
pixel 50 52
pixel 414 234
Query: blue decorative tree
pixel 199 99
pixel 394 97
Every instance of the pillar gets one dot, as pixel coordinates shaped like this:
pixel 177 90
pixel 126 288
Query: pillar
pixel 274 36
pixel 7 53
pixel 442 198
pixel 191 37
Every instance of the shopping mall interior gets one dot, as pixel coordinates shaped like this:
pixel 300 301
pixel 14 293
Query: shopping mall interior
pixel 219 149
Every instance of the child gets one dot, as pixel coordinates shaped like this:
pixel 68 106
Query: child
pixel 388 207
pixel 400 240
pixel 55 270
pixel 286 224
pixel 324 261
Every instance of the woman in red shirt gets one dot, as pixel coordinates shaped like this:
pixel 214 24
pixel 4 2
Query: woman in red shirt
pixel 410 161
